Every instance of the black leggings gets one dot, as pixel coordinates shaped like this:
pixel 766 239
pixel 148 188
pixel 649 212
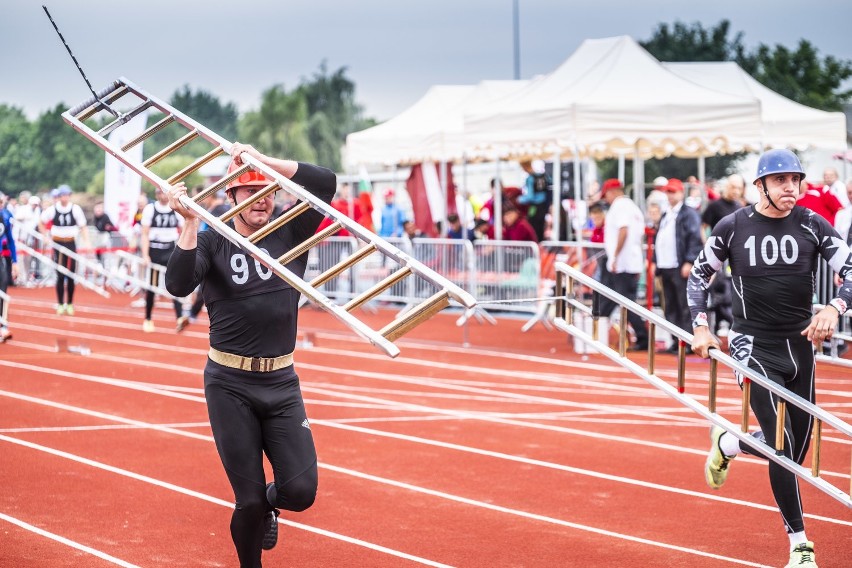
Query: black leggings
pixel 66 262
pixel 790 363
pixel 159 256
pixel 252 414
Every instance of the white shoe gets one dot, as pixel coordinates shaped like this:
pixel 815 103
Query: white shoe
pixel 803 556
pixel 148 326
pixel 716 466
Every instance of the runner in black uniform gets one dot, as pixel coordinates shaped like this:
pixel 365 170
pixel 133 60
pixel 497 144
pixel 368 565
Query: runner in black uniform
pixel 773 248
pixel 66 221
pixel 160 230
pixel 253 396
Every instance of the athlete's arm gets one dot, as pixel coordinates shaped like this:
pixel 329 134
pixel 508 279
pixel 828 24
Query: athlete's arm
pixel 709 261
pixel 834 249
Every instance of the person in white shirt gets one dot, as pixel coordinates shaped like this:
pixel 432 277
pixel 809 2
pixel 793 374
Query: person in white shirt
pixel 835 186
pixel 624 227
pixel 160 231
pixel 62 222
pixel 843 219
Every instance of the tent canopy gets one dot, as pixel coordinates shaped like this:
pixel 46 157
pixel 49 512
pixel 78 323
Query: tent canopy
pixel 785 123
pixel 612 97
pixel 429 130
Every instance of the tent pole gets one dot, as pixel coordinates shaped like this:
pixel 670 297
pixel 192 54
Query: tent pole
pixel 498 204
pixel 556 210
pixel 579 197
pixel 443 178
pixel 701 169
pixel 621 168
pixel 638 178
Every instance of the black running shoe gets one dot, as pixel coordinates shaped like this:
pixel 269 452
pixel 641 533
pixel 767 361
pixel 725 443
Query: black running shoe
pixel 270 530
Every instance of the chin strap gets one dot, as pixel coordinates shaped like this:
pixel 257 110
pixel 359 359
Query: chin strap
pixel 240 215
pixel 766 193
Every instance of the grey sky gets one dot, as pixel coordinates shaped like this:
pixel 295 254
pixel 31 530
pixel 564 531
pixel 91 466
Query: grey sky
pixel 394 51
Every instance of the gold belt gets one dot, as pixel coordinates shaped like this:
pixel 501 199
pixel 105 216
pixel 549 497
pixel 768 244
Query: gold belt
pixel 254 364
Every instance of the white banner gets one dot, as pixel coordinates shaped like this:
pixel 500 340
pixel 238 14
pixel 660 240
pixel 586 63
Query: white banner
pixel 434 192
pixel 122 185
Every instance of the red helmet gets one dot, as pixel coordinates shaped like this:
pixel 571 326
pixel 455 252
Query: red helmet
pixel 251 177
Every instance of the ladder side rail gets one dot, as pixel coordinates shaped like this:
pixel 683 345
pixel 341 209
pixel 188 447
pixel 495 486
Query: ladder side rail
pixel 697 407
pixel 297 283
pixel 88 264
pixel 717 354
pixel 140 282
pixel 81 260
pixel 354 227
pixel 61 269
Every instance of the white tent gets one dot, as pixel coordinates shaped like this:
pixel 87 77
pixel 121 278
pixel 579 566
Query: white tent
pixel 429 130
pixel 785 123
pixel 612 97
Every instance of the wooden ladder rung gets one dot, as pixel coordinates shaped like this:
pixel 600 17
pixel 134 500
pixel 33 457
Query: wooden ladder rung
pixel 95 107
pixel 377 288
pixel 285 218
pixel 431 306
pixel 209 156
pixel 150 131
pixel 234 211
pixel 176 145
pixel 207 192
pixel 359 255
pixel 306 245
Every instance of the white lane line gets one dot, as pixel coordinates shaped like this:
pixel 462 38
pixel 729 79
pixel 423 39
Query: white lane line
pixel 395 406
pixel 102 427
pixel 549 377
pixel 537 517
pixel 565 468
pixel 437 383
pixel 435 443
pixel 564 360
pixel 67 542
pixel 211 499
pixel 102 415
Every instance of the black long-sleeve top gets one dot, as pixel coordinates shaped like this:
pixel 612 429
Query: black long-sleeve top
pixel 252 311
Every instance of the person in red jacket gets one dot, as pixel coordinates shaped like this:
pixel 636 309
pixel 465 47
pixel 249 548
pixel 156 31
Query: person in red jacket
pixel 820 200
pixel 515 225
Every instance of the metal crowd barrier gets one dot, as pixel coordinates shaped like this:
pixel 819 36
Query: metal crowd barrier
pixel 570 281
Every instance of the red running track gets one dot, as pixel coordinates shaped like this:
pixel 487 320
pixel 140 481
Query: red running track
pixel 512 451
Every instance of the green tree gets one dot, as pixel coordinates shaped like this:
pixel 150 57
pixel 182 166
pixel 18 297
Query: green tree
pixel 800 74
pixel 280 126
pixel 333 113
pixel 203 107
pixel 61 155
pixel 684 42
pixel 17 159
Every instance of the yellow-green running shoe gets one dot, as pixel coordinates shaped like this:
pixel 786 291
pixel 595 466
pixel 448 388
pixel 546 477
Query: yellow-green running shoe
pixel 716 466
pixel 803 556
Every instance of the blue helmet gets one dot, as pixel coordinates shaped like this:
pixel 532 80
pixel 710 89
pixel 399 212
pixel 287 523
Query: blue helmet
pixel 780 161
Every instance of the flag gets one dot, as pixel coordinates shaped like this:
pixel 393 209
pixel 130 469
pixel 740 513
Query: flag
pixel 429 203
pixel 122 186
